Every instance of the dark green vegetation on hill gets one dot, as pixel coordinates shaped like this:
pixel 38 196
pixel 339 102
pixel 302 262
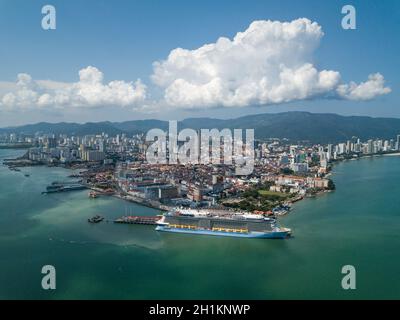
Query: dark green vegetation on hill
pixel 295 126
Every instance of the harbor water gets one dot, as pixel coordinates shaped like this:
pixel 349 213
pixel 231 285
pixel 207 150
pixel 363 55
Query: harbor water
pixel 358 224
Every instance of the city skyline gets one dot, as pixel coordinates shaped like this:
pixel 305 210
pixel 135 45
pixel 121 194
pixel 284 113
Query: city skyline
pixel 97 80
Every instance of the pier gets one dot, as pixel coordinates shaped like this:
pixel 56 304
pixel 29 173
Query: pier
pixel 57 187
pixel 146 220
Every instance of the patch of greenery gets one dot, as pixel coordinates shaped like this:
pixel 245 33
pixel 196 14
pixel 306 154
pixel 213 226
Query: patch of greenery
pixel 273 196
pixel 331 185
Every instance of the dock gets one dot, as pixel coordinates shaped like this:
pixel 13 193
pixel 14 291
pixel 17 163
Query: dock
pixel 63 188
pixel 146 220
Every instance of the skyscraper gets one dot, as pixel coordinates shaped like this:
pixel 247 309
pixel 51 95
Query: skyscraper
pixel 329 152
pixel 102 145
pixel 398 142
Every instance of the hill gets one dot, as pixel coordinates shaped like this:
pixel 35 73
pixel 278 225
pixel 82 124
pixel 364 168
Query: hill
pixel 295 126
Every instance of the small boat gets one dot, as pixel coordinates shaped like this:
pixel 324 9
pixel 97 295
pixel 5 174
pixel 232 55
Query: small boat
pixel 93 195
pixel 27 175
pixel 96 219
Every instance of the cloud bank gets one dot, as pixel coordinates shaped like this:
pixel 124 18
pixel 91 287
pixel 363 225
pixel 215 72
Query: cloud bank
pixel 269 63
pixel 89 91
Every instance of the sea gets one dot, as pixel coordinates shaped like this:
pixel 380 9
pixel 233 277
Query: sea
pixel 356 225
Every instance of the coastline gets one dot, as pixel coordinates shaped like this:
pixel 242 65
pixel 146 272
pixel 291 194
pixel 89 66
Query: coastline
pixel 21 161
pixel 332 174
pixel 392 154
pixel 12 164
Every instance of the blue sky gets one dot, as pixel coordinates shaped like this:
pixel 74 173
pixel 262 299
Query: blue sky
pixel 124 38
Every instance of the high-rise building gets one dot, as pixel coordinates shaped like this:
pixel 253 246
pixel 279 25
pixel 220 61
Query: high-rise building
pixel 102 145
pixel 329 153
pixel 93 155
pixel 370 146
pixel 386 146
pixel 398 142
pixel 51 143
pixel 348 146
pixel 299 167
pixel 341 148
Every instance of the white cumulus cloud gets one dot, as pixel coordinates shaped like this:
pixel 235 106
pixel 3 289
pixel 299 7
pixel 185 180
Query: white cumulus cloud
pixel 89 91
pixel 269 63
pixel 374 86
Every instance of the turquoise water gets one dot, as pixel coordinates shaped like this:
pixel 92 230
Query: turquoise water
pixel 359 224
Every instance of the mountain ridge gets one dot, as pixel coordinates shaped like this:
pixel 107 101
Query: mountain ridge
pixel 293 125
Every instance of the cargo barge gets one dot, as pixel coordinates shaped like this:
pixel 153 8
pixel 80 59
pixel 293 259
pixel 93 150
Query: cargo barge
pixel 63 188
pixel 147 220
pixel 203 222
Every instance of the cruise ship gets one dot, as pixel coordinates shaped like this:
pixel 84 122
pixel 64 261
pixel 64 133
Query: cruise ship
pixel 227 224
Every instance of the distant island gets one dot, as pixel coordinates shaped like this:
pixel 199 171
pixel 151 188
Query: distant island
pixel 295 126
